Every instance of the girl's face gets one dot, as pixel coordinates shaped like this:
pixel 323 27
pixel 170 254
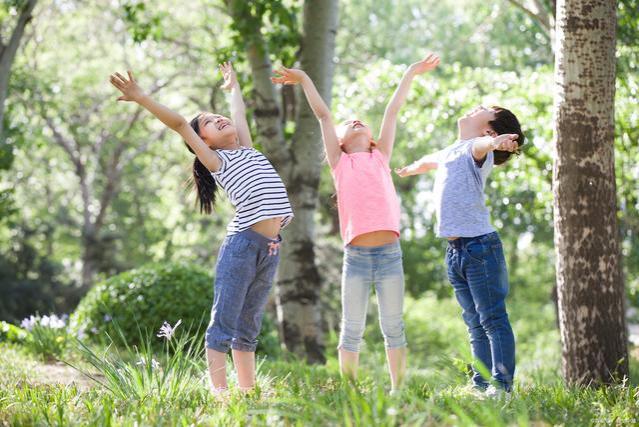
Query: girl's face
pixel 216 130
pixel 354 135
pixel 478 120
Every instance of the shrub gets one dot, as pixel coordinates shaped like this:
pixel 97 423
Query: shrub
pixel 137 302
pixel 11 333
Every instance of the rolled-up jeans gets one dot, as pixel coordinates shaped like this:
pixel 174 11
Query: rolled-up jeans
pixel 246 267
pixel 363 267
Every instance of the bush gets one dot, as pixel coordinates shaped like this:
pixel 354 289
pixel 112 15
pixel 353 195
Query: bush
pixel 137 302
pixel 11 333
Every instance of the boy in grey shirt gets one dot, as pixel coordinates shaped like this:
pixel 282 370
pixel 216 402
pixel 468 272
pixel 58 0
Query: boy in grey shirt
pixel 474 256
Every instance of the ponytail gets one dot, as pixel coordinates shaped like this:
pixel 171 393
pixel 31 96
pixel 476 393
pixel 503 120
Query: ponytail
pixel 205 185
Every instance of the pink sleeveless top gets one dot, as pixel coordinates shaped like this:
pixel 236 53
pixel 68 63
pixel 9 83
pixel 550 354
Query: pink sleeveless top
pixel 366 197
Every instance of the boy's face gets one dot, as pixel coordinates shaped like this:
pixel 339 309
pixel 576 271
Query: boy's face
pixel 477 121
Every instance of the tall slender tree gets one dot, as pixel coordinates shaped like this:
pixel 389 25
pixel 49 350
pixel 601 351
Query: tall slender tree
pixel 299 160
pixel 589 276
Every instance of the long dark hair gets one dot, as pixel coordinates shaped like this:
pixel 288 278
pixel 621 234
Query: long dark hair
pixel 205 185
pixel 506 122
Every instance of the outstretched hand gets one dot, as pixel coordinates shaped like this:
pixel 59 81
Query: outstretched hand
pixel 129 88
pixel 427 64
pixel 409 170
pixel 230 79
pixel 505 142
pixel 288 76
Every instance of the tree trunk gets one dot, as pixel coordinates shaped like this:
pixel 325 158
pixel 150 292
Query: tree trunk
pixel 299 163
pixel 8 54
pixel 299 282
pixel 589 277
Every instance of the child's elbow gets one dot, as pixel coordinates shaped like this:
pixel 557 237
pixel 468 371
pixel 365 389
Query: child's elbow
pixel 180 125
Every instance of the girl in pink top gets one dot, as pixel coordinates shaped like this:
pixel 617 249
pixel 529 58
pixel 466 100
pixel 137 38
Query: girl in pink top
pixel 369 220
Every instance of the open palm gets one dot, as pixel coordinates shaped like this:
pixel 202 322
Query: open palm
pixel 288 76
pixel 230 79
pixel 427 64
pixel 129 87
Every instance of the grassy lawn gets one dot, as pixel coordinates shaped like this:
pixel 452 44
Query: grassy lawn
pixel 128 390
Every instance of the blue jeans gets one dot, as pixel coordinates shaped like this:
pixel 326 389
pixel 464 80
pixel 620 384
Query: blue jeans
pixel 477 271
pixel 364 266
pixel 246 266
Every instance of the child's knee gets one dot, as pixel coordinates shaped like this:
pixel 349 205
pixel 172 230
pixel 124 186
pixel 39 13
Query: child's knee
pixel 351 335
pixel 393 331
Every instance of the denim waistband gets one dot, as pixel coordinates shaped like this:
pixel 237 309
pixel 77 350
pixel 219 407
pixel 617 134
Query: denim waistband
pixel 387 248
pixel 256 237
pixel 462 242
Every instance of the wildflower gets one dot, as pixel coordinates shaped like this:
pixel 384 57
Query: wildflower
pixel 29 323
pixel 154 363
pixel 167 331
pixel 56 322
pixel 82 333
pixel 107 318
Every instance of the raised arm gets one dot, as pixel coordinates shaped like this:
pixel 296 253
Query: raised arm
pixel 423 165
pixel 484 145
pixel 132 92
pixel 291 76
pixel 387 133
pixel 238 109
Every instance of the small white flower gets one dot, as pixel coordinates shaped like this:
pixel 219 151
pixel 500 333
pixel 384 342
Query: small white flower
pixel 154 363
pixel 94 330
pixel 391 412
pixel 45 321
pixel 56 322
pixel 167 331
pixel 29 322
pixel 81 333
pixel 107 318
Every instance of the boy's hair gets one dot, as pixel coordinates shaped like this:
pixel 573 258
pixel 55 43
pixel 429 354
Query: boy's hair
pixel 506 122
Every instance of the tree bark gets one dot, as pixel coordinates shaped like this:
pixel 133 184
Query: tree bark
pixel 589 275
pixel 299 162
pixel 8 54
pixel 299 282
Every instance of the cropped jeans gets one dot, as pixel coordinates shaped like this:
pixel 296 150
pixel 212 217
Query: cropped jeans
pixel 380 266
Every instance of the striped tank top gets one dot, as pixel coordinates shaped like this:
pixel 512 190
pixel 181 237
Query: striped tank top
pixel 253 187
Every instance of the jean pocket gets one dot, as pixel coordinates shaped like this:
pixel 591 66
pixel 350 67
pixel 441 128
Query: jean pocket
pixel 238 246
pixel 476 252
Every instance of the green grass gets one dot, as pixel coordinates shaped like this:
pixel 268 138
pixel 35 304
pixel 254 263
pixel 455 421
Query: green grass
pixel 293 393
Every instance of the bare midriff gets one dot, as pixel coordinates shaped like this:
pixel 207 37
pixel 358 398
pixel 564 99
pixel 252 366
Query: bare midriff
pixel 268 227
pixel 375 238
pixel 452 238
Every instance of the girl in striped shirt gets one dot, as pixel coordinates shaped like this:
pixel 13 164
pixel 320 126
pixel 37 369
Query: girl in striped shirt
pixel 249 256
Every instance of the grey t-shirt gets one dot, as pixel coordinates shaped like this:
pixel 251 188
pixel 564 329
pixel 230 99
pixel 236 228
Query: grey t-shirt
pixel 459 192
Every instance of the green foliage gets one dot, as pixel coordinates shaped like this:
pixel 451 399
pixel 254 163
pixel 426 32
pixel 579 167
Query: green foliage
pixel 275 20
pixel 136 374
pixel 30 281
pixel 47 336
pixel 11 333
pixel 134 304
pixel 137 302
pixel 143 23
